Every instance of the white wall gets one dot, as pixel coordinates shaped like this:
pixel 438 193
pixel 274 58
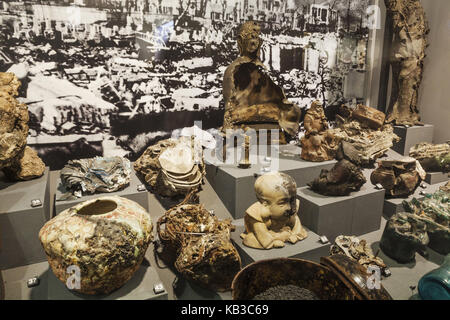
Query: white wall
pixel 434 95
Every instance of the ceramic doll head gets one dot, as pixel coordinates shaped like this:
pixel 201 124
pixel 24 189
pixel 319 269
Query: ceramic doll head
pixel 277 192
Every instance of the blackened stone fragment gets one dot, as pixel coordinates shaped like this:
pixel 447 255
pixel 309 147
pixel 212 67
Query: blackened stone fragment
pixel 343 178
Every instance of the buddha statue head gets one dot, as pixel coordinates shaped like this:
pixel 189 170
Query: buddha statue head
pixel 249 41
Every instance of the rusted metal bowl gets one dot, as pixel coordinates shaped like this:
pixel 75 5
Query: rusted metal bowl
pixel 337 278
pixel 262 275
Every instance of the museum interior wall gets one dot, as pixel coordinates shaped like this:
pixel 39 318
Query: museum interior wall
pixel 434 94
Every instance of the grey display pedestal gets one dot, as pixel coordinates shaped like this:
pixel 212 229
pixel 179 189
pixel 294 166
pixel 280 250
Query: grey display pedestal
pixel 309 248
pixel 194 292
pixel 131 192
pixel 411 136
pixel 394 205
pixel 437 177
pixel 235 186
pixel 20 222
pixel 139 287
pixel 356 214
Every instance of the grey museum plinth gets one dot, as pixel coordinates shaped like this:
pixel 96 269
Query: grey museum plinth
pixel 20 222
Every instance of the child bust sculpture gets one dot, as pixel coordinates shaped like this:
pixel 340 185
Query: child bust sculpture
pixel 273 220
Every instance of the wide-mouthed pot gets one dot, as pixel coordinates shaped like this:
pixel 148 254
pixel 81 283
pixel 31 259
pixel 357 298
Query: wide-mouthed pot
pixel 336 278
pixel 104 238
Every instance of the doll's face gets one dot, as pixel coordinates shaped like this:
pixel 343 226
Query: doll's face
pixel 281 204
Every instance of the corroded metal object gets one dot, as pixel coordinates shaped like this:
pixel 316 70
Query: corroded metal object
pixel 172 167
pixel 358 250
pixel 445 188
pixel 251 97
pixel 399 177
pixel 199 246
pixel 245 162
pixel 336 278
pixel 407 57
pixel 18 161
pixel 273 220
pixel 434 211
pixel 105 238
pixel 364 135
pixel 97 174
pixel 403 236
pixel 319 143
pixel 432 157
pixel 343 178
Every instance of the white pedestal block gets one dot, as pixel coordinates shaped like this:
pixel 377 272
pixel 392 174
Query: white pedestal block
pixel 20 222
pixel 411 136
pixel 309 248
pixel 437 177
pixel 139 287
pixel 235 186
pixel 356 214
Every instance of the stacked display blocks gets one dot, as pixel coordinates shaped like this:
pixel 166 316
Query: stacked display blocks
pixel 235 186
pixel 437 177
pixel 131 192
pixel 411 136
pixel 310 248
pixel 395 205
pixel 356 214
pixel 140 286
pixel 20 222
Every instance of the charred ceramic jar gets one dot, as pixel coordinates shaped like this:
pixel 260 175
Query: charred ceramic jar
pixel 106 238
pixel 399 178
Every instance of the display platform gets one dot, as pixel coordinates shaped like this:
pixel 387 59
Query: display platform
pixel 437 177
pixel 140 286
pixel 309 248
pixel 356 214
pixel 394 205
pixel 131 192
pixel 235 186
pixel 411 136
pixel 20 222
pixel 191 291
pixel 403 282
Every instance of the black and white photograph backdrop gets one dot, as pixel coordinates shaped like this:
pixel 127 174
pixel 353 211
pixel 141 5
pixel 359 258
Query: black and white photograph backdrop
pixel 111 77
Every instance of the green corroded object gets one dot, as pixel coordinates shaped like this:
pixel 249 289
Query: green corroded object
pixel 435 285
pixel 434 210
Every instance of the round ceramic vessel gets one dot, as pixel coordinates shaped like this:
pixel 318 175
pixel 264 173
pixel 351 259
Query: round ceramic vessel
pixel 96 246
